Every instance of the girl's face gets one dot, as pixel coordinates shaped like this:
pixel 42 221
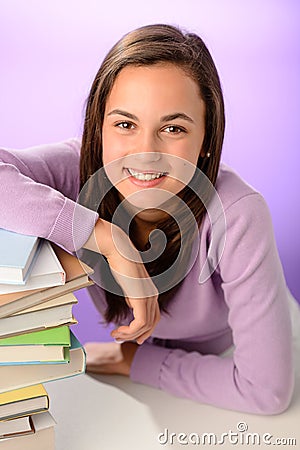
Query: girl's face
pixel 153 130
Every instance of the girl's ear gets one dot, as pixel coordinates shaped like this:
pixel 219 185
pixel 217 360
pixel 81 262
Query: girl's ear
pixel 202 154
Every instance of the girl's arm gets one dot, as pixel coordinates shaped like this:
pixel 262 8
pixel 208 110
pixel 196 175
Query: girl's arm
pixel 38 190
pixel 258 378
pixel 139 290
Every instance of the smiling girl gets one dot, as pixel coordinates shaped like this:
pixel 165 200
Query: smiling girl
pixel 149 159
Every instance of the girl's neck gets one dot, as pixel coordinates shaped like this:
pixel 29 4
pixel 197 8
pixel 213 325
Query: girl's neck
pixel 141 230
pixel 144 222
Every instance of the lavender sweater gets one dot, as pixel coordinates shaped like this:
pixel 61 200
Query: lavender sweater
pixel 243 303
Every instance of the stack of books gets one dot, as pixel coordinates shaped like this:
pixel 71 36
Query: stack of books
pixel 37 281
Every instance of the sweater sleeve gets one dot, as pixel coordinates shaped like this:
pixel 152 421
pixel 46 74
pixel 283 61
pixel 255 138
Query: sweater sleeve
pixel 38 192
pixel 259 377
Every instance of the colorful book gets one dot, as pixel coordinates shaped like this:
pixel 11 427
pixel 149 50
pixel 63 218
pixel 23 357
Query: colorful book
pixel 42 439
pixel 23 402
pixel 53 313
pixel 16 256
pixel 12 377
pixel 47 271
pixel 47 346
pixel 77 277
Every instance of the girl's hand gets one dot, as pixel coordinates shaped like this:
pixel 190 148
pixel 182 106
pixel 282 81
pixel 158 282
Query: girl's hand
pixel 130 273
pixel 109 357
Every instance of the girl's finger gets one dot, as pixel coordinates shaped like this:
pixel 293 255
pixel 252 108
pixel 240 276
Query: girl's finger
pixel 146 316
pixel 140 334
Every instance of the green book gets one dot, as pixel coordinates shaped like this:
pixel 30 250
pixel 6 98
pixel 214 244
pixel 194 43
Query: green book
pixel 39 347
pixel 16 377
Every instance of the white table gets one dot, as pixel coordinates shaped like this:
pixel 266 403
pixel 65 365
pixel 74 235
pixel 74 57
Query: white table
pixel 111 413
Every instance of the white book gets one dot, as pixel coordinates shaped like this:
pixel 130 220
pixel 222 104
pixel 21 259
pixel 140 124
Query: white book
pixel 42 439
pixel 15 427
pixel 77 277
pixel 50 314
pixel 57 301
pixel 17 252
pixel 47 271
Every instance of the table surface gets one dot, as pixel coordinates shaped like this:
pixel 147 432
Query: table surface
pixel 96 412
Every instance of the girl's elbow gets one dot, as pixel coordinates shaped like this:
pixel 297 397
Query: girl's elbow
pixel 279 404
pixel 266 396
pixel 274 401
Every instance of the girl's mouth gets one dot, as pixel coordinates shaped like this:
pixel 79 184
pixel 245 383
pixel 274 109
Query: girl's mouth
pixel 145 178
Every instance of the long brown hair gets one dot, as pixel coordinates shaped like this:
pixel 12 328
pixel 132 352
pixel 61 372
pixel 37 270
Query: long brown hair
pixel 146 46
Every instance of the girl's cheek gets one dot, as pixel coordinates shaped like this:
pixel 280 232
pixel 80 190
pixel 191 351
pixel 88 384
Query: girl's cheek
pixel 113 148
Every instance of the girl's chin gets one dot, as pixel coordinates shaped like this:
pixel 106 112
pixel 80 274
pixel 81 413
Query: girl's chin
pixel 147 198
pixel 150 204
pixel 142 212
pixel 152 215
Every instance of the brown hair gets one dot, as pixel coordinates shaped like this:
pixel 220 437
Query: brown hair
pixel 146 46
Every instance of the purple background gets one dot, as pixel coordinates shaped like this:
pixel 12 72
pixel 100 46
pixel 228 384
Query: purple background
pixel 50 52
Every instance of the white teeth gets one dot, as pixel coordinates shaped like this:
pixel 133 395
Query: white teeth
pixel 145 176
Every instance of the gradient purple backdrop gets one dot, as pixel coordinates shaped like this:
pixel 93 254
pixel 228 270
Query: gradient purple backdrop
pixel 51 50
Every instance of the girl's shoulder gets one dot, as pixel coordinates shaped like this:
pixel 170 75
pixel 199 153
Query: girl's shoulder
pixel 231 187
pixel 68 149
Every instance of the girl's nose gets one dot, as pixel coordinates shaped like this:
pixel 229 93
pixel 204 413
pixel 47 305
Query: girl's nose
pixel 148 156
pixel 147 149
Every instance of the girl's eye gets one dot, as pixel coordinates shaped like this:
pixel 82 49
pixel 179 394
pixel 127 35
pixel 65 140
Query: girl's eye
pixel 173 129
pixel 125 125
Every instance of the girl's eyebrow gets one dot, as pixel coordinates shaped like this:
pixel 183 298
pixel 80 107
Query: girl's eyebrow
pixel 176 115
pixel 167 118
pixel 120 112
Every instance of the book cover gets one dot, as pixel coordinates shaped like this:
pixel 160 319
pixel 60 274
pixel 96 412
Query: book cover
pixel 16 256
pixel 39 347
pixel 11 377
pixel 23 401
pixel 54 336
pixel 46 271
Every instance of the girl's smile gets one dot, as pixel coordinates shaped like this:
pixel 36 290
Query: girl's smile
pixel 145 178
